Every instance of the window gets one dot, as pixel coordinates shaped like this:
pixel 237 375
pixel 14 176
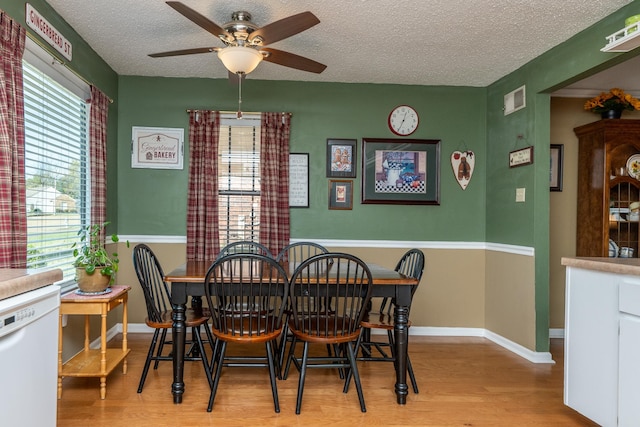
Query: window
pixel 239 179
pixel 57 181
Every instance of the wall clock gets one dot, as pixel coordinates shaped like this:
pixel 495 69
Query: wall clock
pixel 403 120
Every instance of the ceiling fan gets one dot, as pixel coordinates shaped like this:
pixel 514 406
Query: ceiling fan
pixel 244 41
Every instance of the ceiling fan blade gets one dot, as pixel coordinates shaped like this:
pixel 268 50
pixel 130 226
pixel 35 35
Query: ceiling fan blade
pixel 286 27
pixel 201 20
pixel 184 52
pixel 291 60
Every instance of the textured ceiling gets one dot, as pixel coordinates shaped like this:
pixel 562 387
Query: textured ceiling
pixel 422 42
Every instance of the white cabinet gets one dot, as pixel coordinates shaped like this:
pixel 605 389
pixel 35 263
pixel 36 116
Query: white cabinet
pixel 591 345
pixel 602 346
pixel 629 384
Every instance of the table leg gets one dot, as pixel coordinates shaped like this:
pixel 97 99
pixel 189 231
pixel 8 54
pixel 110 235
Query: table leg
pixel 178 335
pixel 196 305
pixel 125 322
pixel 103 353
pixel 60 356
pixel 87 333
pixel 401 331
pixel 196 302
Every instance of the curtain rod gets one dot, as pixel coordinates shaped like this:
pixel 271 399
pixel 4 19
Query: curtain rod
pixel 232 112
pixel 60 61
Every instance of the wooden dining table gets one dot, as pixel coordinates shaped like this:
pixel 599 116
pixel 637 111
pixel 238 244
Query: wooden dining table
pixel 188 280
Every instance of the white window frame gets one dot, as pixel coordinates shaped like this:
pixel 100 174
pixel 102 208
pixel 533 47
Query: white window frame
pixel 39 58
pixel 247 120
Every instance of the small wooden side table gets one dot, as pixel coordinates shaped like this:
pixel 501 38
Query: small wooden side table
pixel 89 362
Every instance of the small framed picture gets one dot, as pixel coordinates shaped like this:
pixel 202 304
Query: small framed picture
pixel 299 180
pixel 340 194
pixel 521 157
pixel 341 158
pixel 555 169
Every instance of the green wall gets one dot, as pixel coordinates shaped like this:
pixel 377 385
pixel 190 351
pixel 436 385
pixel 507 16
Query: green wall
pixel 528 223
pixel 154 201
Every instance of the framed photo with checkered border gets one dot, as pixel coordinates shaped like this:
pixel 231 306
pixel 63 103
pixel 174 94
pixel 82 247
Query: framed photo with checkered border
pixel 401 171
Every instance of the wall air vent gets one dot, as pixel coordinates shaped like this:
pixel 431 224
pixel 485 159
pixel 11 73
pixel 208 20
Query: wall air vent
pixel 514 101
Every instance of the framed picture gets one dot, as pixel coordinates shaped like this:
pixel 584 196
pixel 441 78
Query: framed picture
pixel 157 148
pixel 340 194
pixel 299 180
pixel 555 169
pixel 401 171
pixel 341 158
pixel 521 157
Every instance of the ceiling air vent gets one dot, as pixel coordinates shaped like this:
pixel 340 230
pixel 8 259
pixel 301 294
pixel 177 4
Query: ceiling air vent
pixel 514 101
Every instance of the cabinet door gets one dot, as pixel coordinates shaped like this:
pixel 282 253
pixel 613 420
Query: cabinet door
pixel 629 378
pixel 622 229
pixel 605 147
pixel 629 386
pixel 591 345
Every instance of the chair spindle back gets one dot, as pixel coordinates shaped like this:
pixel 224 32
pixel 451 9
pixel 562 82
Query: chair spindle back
pixel 338 277
pixel 246 294
pixel 151 278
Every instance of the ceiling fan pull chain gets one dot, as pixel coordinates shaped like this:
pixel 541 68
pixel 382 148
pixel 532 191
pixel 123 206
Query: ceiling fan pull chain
pixel 239 114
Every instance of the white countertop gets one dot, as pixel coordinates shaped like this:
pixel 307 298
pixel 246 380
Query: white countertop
pixel 629 266
pixel 14 281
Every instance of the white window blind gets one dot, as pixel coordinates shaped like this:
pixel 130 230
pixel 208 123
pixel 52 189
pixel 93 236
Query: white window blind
pixel 57 180
pixel 239 180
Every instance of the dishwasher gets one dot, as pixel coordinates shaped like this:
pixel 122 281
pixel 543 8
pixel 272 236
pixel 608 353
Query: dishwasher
pixel 28 357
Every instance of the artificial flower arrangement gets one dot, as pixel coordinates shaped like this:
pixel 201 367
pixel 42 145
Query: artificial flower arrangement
pixel 616 99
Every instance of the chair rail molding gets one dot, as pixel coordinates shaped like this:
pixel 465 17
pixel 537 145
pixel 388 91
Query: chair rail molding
pixel 425 244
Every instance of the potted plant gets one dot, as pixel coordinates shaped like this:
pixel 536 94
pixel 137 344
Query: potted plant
pixel 611 104
pixel 95 267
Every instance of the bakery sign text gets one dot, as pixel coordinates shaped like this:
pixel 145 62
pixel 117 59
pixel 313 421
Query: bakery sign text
pixel 157 148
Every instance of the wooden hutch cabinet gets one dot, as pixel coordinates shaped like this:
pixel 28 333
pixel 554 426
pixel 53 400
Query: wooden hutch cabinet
pixel 606 187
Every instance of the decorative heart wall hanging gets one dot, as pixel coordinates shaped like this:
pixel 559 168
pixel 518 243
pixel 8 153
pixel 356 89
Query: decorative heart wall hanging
pixel 463 163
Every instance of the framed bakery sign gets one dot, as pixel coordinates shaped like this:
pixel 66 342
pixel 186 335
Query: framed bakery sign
pixel 157 148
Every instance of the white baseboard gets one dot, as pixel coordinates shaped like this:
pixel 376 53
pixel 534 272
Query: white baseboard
pixel 556 333
pixel 446 332
pixel 112 332
pixel 532 356
pixel 138 328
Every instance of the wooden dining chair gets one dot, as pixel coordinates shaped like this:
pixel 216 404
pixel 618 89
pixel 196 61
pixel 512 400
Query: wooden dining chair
pixel 411 265
pixel 347 280
pixel 292 255
pixel 245 247
pixel 297 252
pixel 159 314
pixel 246 295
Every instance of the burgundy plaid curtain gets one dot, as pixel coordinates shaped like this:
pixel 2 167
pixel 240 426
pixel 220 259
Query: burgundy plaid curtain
pixel 98 155
pixel 203 240
pixel 13 212
pixel 274 187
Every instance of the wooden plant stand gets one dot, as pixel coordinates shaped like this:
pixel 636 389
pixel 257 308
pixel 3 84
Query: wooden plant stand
pixel 94 362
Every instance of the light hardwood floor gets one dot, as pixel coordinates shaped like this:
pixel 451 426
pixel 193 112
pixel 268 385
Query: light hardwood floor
pixel 463 382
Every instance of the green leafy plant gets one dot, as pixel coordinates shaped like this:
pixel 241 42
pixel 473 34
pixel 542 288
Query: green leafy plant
pixel 92 255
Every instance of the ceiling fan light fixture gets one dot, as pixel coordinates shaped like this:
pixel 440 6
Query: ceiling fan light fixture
pixel 239 59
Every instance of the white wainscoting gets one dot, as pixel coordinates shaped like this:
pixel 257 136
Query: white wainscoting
pixel 532 356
